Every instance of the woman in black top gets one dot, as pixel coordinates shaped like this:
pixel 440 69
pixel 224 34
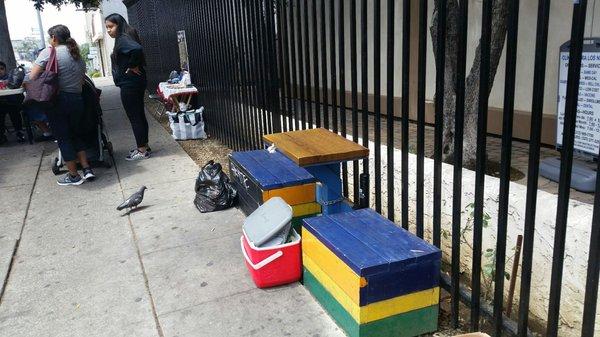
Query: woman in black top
pixel 129 74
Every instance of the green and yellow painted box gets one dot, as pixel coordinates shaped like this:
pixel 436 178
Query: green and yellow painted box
pixel 374 278
pixel 260 175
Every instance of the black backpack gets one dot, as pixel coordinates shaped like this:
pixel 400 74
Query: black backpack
pixel 16 77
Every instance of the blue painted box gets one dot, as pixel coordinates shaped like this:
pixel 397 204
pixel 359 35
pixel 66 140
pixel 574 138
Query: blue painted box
pixel 393 261
pixel 259 175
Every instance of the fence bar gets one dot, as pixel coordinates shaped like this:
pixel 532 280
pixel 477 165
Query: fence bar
pixel 405 100
pixel 539 79
pixel 293 53
pixel 459 119
pixel 364 74
pixel 332 69
pixel 505 162
pixel 354 85
pixel 235 98
pixel 342 74
pixel 236 103
pixel 242 83
pixel 282 67
pixel 566 162
pixel 591 286
pixel 309 98
pixel 377 96
pixel 421 115
pixel 251 75
pixel 260 78
pixel 324 66
pixel 252 29
pixel 222 113
pixel 440 67
pixel 226 79
pixel 213 71
pixel 274 79
pixel 288 74
pixel 205 53
pixel 481 158
pixel 390 110
pixel 315 34
pixel 301 62
pixel 263 78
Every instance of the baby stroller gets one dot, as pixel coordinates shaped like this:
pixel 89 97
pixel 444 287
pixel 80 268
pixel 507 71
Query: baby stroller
pixel 98 144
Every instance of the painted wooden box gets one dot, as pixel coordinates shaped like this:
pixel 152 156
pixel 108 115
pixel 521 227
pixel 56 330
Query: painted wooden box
pixel 260 175
pixel 374 278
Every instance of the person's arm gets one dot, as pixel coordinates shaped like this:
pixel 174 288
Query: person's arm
pixel 39 65
pixel 135 53
pixel 35 72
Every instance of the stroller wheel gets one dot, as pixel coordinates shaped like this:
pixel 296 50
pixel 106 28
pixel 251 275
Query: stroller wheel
pixel 109 147
pixel 55 168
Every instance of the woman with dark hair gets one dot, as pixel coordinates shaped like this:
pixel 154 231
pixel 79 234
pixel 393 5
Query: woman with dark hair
pixel 69 102
pixel 129 75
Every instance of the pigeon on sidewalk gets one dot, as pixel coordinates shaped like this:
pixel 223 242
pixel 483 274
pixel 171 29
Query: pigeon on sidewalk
pixel 134 200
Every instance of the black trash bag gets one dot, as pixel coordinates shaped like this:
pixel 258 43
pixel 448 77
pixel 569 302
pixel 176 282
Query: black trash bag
pixel 214 192
pixel 16 77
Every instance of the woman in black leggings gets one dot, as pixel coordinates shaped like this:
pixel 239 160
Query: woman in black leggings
pixel 129 74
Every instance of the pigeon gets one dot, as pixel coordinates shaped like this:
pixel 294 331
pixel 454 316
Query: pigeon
pixel 134 200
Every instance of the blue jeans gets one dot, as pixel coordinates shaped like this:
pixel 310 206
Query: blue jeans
pixel 61 117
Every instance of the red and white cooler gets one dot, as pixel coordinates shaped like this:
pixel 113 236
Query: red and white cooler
pixel 274 265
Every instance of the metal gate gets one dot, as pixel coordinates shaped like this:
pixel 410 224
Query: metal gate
pixel 266 66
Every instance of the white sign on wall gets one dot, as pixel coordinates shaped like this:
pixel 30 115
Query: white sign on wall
pixel 587 132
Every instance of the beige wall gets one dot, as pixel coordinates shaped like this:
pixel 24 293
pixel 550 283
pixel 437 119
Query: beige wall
pixel 559 32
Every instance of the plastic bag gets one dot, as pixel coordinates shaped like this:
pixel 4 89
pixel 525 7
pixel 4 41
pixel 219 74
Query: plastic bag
pixel 214 192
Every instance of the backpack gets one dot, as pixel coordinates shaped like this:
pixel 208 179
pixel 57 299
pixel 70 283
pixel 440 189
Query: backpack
pixel 16 77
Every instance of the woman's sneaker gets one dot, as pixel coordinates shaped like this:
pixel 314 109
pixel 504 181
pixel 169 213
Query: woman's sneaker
pixel 88 174
pixel 137 155
pixel 148 149
pixel 68 180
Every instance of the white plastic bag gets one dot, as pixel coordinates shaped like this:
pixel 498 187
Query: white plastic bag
pixel 187 125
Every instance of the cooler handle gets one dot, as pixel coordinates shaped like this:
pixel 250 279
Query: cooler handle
pixel 261 263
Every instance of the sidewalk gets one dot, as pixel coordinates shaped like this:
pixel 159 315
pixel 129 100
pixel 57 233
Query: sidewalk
pixel 81 268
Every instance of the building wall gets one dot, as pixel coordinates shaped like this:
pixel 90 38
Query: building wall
pixel 106 8
pixel 559 32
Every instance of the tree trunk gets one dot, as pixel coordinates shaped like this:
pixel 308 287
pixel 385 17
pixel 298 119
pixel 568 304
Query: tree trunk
pixel 500 12
pixel 7 55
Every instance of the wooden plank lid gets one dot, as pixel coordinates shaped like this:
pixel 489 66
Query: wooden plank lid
pixel 316 146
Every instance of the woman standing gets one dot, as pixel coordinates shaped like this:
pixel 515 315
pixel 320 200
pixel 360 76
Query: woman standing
pixel 69 102
pixel 128 73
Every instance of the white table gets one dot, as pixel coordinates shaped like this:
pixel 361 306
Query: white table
pixel 174 94
pixel 19 91
pixel 10 92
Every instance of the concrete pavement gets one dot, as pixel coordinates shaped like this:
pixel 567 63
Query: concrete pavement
pixel 80 268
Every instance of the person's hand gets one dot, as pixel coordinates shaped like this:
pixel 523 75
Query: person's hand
pixel 135 70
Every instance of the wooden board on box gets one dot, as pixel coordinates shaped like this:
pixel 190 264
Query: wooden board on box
pixel 316 146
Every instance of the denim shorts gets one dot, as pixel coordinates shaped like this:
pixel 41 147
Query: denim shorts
pixel 35 114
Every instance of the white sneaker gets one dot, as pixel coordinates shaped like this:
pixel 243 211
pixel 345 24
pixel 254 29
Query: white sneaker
pixel 137 155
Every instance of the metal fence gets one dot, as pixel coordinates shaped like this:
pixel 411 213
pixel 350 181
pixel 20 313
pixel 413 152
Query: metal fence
pixel 266 66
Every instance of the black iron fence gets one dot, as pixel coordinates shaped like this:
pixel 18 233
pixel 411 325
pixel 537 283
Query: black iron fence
pixel 266 66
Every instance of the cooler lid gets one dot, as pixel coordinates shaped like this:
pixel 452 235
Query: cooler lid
pixel 267 221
